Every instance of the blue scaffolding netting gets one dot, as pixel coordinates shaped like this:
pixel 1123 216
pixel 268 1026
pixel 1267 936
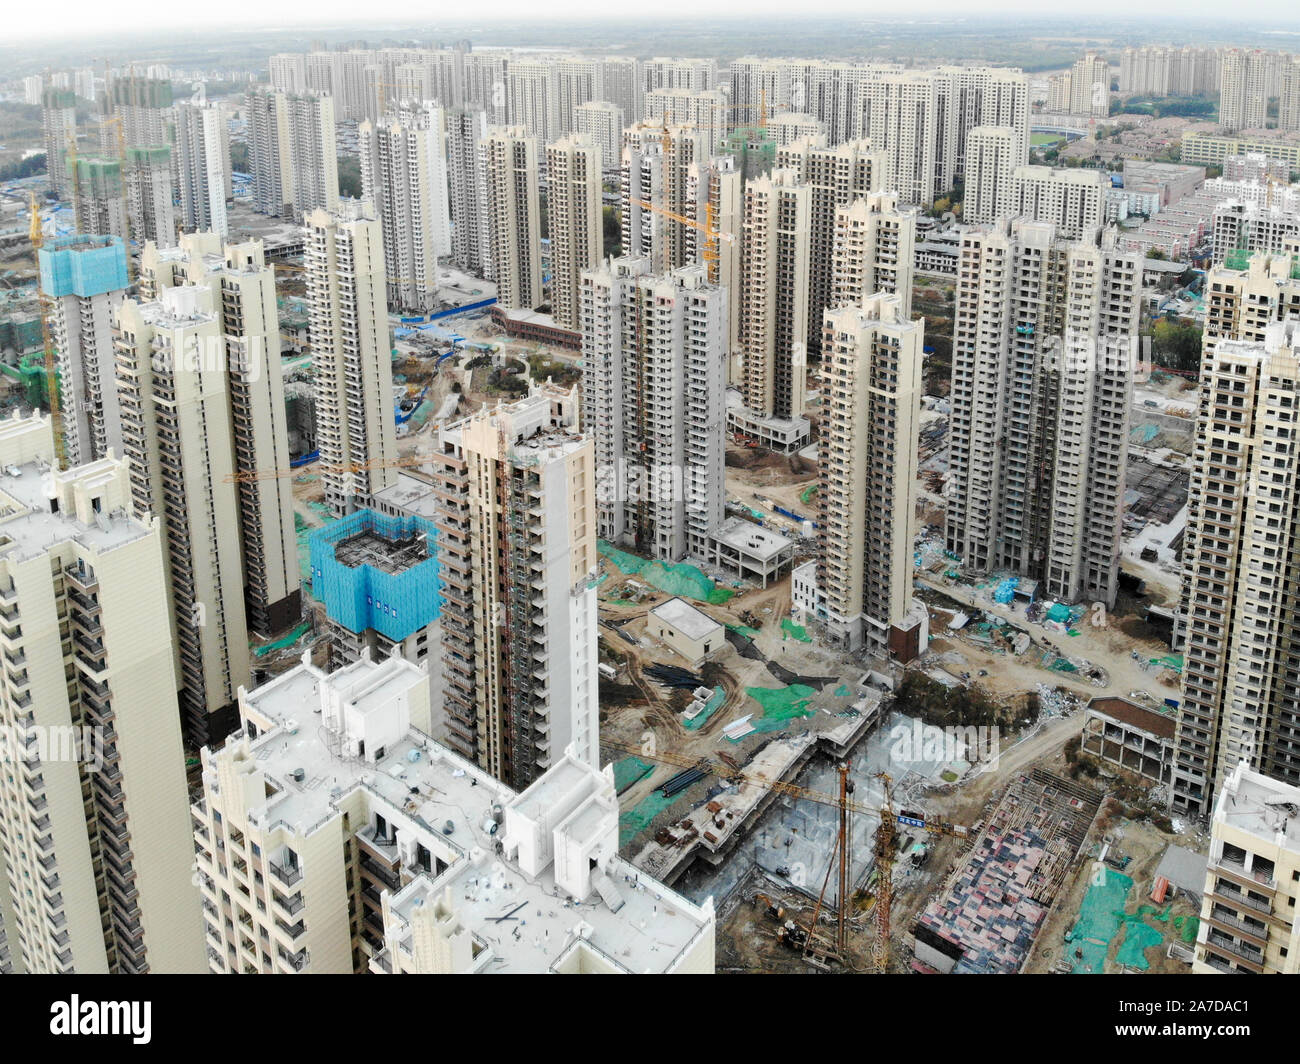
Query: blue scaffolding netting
pixel 362 596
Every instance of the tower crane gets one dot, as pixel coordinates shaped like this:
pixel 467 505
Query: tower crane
pixel 709 227
pixel 885 847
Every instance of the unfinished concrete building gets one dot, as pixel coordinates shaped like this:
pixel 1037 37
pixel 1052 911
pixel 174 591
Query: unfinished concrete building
pixel 85 279
pixel 657 166
pixel 1044 347
pixel 654 366
pixel 517 560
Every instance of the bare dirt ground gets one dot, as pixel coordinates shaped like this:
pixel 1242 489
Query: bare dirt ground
pixel 1145 844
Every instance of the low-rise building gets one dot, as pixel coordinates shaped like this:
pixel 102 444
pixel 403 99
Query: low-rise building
pixel 691 632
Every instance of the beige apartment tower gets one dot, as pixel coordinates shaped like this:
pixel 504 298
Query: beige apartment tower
pixel 178 432
pixel 517 550
pixel 348 325
pixel 95 867
pixel 871 359
pixel 512 211
pixel 1240 697
pixel 575 221
pixel 1248 909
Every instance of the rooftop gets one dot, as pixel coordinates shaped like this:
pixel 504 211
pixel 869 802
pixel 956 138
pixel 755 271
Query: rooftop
pixel 521 923
pixel 692 623
pixel 751 539
pixel 1260 806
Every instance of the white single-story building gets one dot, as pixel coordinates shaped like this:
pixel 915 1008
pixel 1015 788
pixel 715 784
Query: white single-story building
pixel 691 632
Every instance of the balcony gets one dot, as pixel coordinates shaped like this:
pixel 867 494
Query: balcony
pixel 286 874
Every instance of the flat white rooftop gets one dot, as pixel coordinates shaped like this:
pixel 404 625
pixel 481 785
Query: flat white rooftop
pixel 1260 806
pixel 28 528
pixel 752 540
pixel 692 623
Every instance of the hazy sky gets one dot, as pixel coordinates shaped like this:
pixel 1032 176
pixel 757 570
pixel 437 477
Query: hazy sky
pixel 118 16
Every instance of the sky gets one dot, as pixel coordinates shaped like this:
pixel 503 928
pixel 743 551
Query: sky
pixel 114 16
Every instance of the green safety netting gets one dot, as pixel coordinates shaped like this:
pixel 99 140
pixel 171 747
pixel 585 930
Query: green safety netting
pixel 681 579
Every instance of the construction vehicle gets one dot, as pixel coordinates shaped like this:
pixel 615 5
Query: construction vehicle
pixel 36 234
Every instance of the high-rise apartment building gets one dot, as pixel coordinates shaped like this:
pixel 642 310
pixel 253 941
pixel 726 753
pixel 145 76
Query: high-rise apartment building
pixel 250 330
pixel 1248 909
pixel 292 152
pixel 470 240
pixel 836 176
pixel 657 169
pixel 177 434
pixel 204 166
pixel 1044 344
pixel 990 162
pixel 512 210
pixel 1073 200
pixel 1089 85
pixel 874 252
pixel 575 222
pixel 517 554
pixel 533 98
pixel 1155 70
pixel 707 112
pixel 1288 107
pixel 59 125
pixel 604 123
pixel 373 848
pixel 1245 84
pixel 150 201
pixel 99 199
pixel 96 857
pixel 269 157
pixel 404 174
pixel 351 353
pixel 143 105
pixel 654 374
pixel 871 359
pixel 1241 646
pixel 85 279
pixel 774 312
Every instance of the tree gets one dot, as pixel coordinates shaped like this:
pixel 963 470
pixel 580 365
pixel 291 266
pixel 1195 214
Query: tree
pixel 32 165
pixel 350 176
pixel 1176 345
pixel 613 231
